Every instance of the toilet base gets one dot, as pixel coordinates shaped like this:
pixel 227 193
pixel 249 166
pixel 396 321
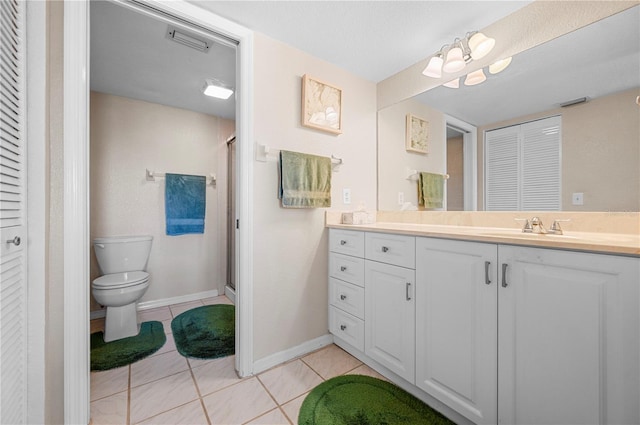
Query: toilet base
pixel 121 322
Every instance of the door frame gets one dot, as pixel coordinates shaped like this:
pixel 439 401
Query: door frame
pixel 470 160
pixel 76 191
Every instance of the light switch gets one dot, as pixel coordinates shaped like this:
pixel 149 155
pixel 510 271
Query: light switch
pixel 577 198
pixel 400 198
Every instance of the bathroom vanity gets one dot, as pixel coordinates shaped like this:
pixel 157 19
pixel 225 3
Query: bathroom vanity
pixel 490 326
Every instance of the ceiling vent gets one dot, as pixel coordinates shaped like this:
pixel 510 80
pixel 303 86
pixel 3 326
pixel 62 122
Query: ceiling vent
pixel 189 40
pixel 574 102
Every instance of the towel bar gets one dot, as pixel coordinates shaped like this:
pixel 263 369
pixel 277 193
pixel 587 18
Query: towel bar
pixel 152 175
pixel 414 174
pixel 264 152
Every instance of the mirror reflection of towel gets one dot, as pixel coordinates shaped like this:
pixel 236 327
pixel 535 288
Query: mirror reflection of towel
pixel 430 190
pixel 305 180
pixel 184 202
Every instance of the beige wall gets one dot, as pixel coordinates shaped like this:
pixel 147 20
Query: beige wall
pixel 393 158
pixel 128 136
pixel 290 246
pixel 600 152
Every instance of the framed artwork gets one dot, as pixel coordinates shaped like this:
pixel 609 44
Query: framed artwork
pixel 417 136
pixel 321 105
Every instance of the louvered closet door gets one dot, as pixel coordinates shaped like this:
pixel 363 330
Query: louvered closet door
pixel 541 165
pixel 501 169
pixel 13 326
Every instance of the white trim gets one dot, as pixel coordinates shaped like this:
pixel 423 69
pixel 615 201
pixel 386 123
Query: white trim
pixel 163 302
pixel 470 160
pixel 76 205
pixel 292 353
pixel 36 74
pixel 76 212
pixel 230 293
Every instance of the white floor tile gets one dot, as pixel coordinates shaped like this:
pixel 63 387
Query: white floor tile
pixel 275 417
pixel 331 361
pixel 109 410
pixel 188 414
pixel 238 403
pixel 157 367
pixel 292 408
pixel 177 309
pixel 161 396
pixel 109 382
pixel 215 375
pixel 290 380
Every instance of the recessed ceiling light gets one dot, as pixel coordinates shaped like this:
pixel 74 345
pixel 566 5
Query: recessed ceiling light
pixel 214 89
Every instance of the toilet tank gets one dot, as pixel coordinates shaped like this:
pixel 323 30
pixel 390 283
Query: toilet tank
pixel 119 254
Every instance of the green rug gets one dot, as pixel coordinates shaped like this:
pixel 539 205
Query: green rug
pixel 206 332
pixel 363 400
pixel 121 352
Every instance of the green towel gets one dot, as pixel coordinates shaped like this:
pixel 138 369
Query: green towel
pixel 305 180
pixel 430 190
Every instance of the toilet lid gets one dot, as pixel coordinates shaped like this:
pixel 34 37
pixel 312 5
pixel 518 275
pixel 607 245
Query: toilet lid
pixel 120 280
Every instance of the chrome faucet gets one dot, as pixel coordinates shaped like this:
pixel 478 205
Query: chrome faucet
pixel 535 226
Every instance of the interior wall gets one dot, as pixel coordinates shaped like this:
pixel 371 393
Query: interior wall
pixel 54 297
pixel 395 160
pixel 455 169
pixel 129 136
pixel 600 152
pixel 290 245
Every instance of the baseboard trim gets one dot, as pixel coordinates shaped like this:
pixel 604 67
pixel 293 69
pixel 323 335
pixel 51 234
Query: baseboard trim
pixel 230 293
pixel 163 302
pixel 291 353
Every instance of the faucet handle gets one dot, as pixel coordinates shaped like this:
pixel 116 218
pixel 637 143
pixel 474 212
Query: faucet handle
pixel 527 228
pixel 555 227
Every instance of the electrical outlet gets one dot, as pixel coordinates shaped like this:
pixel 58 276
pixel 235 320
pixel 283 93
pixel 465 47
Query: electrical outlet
pixel 400 198
pixel 577 198
pixel 346 196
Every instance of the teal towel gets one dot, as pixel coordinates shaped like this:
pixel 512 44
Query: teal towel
pixel 430 190
pixel 305 180
pixel 184 203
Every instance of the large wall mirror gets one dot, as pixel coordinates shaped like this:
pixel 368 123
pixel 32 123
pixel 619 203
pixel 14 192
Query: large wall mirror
pixel 600 137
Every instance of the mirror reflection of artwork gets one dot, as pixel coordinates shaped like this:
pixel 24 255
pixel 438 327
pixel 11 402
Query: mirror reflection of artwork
pixel 321 105
pixel 417 138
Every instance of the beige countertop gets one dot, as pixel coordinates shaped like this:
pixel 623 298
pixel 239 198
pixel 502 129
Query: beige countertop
pixel 609 243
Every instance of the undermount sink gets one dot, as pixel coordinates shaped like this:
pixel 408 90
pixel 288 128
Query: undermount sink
pixel 577 236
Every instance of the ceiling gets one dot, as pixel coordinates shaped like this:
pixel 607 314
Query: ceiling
pixel 131 57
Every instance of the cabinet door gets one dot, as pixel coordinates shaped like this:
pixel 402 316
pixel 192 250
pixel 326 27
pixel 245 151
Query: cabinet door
pixel 456 325
pixel 390 317
pixel 568 337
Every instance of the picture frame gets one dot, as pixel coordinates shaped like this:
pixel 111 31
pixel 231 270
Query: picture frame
pixel 417 134
pixel 321 105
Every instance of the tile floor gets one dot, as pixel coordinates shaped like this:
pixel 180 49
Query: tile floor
pixel 167 388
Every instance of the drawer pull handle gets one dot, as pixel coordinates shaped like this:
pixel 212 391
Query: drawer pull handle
pixel 504 275
pixel 343 268
pixel 408 288
pixel 343 327
pixel 343 297
pixel 343 242
pixel 487 280
pixel 385 249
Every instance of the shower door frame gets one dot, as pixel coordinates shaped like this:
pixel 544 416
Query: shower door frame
pixel 76 189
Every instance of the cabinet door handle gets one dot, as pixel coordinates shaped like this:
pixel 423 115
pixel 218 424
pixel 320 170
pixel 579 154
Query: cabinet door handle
pixel 343 327
pixel 343 268
pixel 408 287
pixel 487 279
pixel 343 297
pixel 343 242
pixel 385 249
pixel 504 275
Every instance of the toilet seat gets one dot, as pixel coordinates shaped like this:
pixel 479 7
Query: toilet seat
pixel 120 280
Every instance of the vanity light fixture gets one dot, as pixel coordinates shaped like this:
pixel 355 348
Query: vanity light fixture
pixel 499 66
pixel 214 89
pixel 454 57
pixel 475 77
pixel 453 84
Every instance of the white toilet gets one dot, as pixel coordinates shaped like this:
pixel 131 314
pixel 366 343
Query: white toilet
pixel 123 261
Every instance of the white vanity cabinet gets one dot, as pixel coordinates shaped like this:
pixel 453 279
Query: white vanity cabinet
pixel 568 337
pixel 499 334
pixel 457 325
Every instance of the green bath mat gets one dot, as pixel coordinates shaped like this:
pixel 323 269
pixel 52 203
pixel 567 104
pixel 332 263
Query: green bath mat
pixel 109 355
pixel 363 400
pixel 206 332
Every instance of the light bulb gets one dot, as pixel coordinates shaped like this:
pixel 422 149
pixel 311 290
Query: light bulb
pixel 453 84
pixel 499 66
pixel 476 77
pixel 454 62
pixel 480 45
pixel 434 68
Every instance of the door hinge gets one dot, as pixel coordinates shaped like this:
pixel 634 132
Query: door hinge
pixel 237 223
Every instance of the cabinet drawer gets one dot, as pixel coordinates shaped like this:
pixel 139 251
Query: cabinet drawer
pixel 391 249
pixel 347 297
pixel 346 242
pixel 347 268
pixel 346 327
